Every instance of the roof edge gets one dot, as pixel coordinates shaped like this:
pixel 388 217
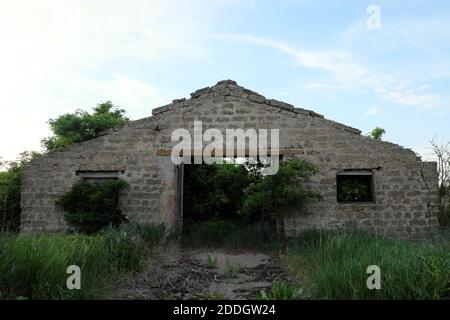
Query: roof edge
pixel 230 86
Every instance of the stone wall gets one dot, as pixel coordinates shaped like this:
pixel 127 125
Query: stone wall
pixel 405 188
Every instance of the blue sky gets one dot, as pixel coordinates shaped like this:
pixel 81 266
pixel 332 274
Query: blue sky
pixel 57 56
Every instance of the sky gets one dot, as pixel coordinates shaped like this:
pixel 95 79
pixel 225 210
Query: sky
pixel 59 56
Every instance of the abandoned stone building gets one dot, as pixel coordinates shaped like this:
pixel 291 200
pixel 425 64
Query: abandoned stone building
pixel 403 197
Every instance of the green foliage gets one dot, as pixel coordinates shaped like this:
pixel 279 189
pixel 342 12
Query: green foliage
pixel 10 187
pixel 377 133
pixel 146 236
pixel 215 191
pixel 34 266
pixel 333 266
pixel 282 291
pixel 81 126
pixel 241 194
pixel 89 208
pixel 275 196
pixel 212 262
pixel 230 270
pixel 353 189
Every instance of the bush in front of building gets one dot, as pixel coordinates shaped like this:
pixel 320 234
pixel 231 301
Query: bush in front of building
pixel 91 207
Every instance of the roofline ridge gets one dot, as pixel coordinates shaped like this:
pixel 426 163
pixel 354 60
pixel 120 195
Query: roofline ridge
pixel 252 96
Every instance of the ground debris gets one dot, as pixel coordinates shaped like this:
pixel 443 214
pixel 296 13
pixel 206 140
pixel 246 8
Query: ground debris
pixel 183 274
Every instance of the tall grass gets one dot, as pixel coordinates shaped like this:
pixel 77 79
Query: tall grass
pixel 34 266
pixel 281 291
pixel 333 266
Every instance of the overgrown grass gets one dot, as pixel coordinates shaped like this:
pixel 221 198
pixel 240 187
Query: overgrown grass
pixel 333 265
pixel 329 265
pixel 34 266
pixel 282 291
pixel 228 235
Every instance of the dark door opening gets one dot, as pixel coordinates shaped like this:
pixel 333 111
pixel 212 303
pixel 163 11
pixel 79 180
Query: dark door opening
pixel 214 210
pixel 214 192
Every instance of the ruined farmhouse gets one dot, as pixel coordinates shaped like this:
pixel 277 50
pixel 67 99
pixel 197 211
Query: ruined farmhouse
pixel 403 199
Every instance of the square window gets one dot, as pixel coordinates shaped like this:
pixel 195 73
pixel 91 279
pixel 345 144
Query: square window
pixel 355 186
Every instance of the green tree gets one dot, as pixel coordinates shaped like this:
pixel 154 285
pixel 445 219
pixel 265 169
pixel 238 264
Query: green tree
pixel 275 196
pixel 67 129
pixel 215 191
pixel 377 133
pixel 10 186
pixel 81 126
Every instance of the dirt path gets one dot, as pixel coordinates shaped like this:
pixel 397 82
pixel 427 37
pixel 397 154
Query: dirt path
pixel 175 273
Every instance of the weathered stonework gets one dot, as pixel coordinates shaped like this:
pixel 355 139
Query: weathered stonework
pixel 406 189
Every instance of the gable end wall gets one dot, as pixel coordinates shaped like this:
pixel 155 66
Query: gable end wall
pixel 406 189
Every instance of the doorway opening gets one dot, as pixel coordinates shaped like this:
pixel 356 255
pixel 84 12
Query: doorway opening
pixel 211 200
pixel 216 191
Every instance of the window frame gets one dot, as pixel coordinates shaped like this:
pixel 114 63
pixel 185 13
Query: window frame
pixel 90 176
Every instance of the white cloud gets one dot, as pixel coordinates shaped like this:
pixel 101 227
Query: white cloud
pixel 424 87
pixel 92 31
pixel 60 55
pixel 137 96
pixel 334 61
pixel 348 73
pixel 411 98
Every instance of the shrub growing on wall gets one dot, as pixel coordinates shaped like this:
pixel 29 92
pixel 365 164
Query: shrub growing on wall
pixel 91 207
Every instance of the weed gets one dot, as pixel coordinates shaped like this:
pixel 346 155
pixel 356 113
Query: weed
pixel 230 270
pixel 212 262
pixel 282 291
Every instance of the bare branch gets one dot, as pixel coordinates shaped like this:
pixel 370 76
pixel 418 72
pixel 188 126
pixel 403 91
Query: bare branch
pixel 442 153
